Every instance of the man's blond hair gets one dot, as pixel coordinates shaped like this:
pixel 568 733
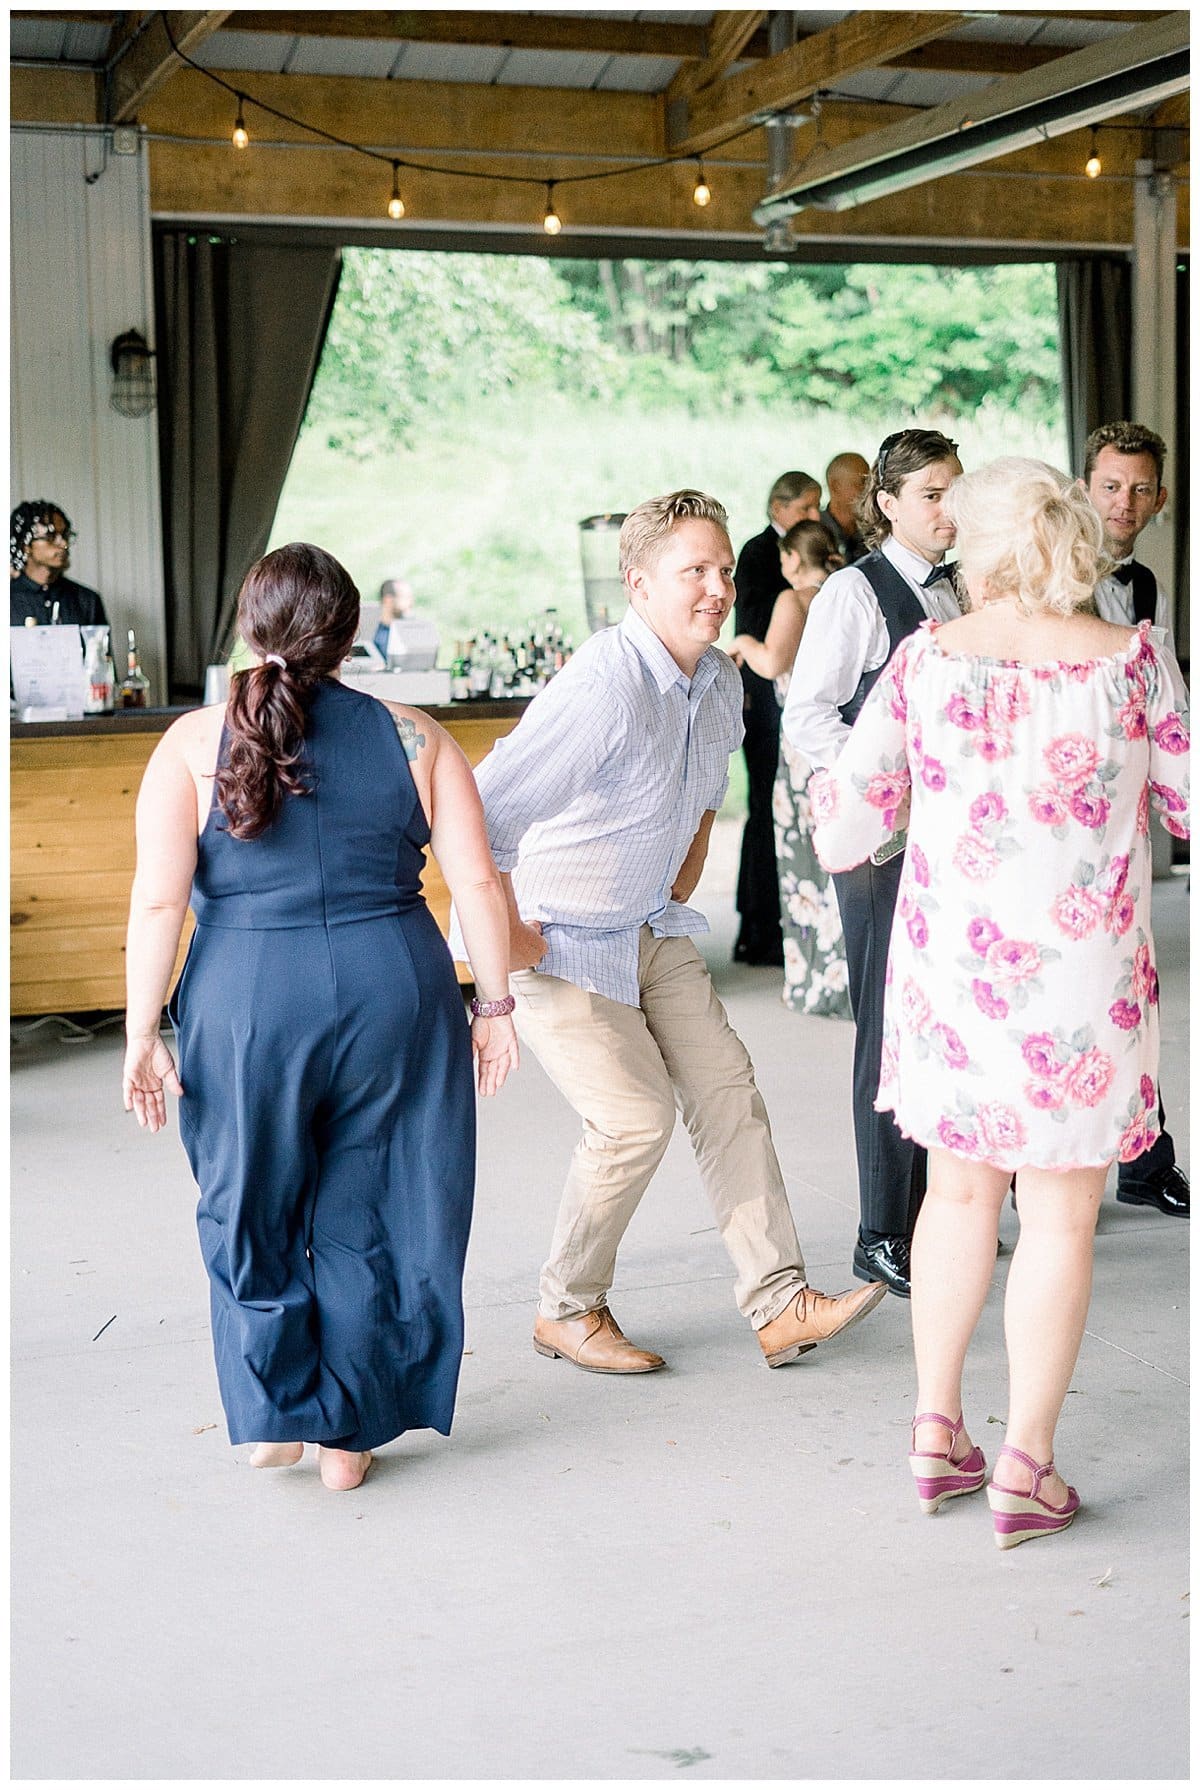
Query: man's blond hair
pixel 647 529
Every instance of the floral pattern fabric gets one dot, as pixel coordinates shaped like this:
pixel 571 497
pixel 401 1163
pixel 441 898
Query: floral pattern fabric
pixel 1021 1010
pixel 815 978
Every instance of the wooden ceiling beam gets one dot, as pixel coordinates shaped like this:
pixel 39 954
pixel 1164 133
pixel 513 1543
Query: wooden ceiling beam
pixel 491 30
pixel 141 56
pixel 728 36
pixel 864 40
pixel 1174 111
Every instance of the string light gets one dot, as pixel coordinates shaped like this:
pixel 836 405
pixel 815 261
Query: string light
pixel 241 136
pixel 551 223
pixel 1093 164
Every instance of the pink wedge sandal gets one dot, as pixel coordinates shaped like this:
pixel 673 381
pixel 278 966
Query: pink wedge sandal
pixel 1022 1516
pixel 937 1476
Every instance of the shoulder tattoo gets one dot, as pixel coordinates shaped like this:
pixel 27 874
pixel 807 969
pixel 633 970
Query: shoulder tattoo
pixel 410 739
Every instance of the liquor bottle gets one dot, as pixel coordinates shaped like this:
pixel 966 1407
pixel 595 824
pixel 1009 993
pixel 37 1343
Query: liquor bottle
pixel 502 667
pixel 481 668
pixel 135 685
pixel 98 699
pixel 460 675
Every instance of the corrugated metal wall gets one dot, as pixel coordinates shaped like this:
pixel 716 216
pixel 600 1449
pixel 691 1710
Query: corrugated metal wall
pixel 81 276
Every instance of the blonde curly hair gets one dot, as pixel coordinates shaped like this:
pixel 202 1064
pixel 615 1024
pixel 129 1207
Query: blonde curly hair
pixel 1031 532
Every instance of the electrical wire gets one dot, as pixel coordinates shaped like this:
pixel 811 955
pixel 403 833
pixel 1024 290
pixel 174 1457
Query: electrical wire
pixel 421 167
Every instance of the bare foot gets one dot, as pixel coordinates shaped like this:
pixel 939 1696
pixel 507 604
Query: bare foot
pixel 343 1471
pixel 276 1454
pixel 1016 1477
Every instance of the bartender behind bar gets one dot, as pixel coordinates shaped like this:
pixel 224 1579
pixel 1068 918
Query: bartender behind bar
pixel 39 549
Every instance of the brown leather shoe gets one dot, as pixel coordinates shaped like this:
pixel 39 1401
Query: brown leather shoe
pixel 814 1317
pixel 593 1342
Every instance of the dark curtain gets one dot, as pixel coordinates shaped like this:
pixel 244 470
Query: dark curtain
pixel 240 332
pixel 1094 299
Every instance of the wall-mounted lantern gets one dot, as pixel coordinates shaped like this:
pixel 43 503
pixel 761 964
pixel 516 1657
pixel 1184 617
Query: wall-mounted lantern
pixel 133 375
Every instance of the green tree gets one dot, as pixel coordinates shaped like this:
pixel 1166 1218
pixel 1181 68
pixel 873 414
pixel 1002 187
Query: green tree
pixel 414 331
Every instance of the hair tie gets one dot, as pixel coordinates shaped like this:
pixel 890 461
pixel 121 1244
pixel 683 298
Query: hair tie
pixel 274 659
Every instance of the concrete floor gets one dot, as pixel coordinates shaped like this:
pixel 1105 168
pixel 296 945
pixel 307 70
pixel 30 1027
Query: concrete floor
pixel 715 1572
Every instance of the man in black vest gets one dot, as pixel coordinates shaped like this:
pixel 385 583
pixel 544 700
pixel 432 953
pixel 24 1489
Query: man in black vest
pixel 1122 472
pixel 758 579
pixel 857 619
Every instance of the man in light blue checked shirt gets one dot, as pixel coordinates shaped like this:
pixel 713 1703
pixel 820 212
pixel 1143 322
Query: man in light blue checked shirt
pixel 599 807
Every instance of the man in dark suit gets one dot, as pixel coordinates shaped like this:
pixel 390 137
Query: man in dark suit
pixel 1122 472
pixel 845 480
pixel 758 579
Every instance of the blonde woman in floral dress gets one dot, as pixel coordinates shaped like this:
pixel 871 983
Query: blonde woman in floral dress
pixel 1021 1028
pixel 815 978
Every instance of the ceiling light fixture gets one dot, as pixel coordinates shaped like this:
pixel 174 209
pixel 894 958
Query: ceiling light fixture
pixel 551 223
pixel 1139 68
pixel 241 136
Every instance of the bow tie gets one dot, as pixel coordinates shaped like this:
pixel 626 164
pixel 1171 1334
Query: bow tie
pixel 1124 574
pixel 945 570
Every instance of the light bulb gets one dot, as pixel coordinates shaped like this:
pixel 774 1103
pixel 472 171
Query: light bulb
pixel 396 203
pixel 1092 166
pixel 551 223
pixel 701 192
pixel 241 136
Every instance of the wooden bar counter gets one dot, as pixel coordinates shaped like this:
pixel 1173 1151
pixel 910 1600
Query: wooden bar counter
pixel 73 789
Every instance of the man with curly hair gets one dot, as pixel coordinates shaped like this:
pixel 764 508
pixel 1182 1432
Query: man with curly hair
pixel 39 552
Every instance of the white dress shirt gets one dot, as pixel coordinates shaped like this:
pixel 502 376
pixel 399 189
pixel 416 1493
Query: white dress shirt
pixel 594 798
pixel 846 635
pixel 1114 601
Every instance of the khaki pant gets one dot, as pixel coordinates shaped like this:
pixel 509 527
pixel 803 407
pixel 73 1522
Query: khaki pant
pixel 623 1069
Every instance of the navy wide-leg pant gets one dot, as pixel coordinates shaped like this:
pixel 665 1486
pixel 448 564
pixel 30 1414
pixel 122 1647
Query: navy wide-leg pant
pixel 328 1114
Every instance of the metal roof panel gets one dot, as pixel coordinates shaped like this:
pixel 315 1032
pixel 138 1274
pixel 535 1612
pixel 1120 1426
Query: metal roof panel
pixel 263 52
pixel 40 39
pixel 449 62
pixel 552 68
pixel 1074 34
pixel 86 43
pixel 638 74
pixel 912 87
pixel 356 57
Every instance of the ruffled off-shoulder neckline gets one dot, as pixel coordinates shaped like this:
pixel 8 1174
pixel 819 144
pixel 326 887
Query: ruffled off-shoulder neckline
pixel 1138 639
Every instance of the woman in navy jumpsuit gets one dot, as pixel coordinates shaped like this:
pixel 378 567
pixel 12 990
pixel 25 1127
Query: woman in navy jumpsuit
pixel 327 1100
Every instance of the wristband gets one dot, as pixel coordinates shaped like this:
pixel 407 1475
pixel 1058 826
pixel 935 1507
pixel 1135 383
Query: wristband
pixel 493 1009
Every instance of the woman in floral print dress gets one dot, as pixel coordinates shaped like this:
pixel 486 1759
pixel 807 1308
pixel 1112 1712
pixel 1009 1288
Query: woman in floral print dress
pixel 1030 739
pixel 815 978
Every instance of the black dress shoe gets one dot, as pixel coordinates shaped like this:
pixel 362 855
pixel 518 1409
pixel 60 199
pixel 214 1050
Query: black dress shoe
pixel 760 951
pixel 888 1261
pixel 1170 1192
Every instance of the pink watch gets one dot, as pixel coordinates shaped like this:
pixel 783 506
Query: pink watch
pixel 493 1009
